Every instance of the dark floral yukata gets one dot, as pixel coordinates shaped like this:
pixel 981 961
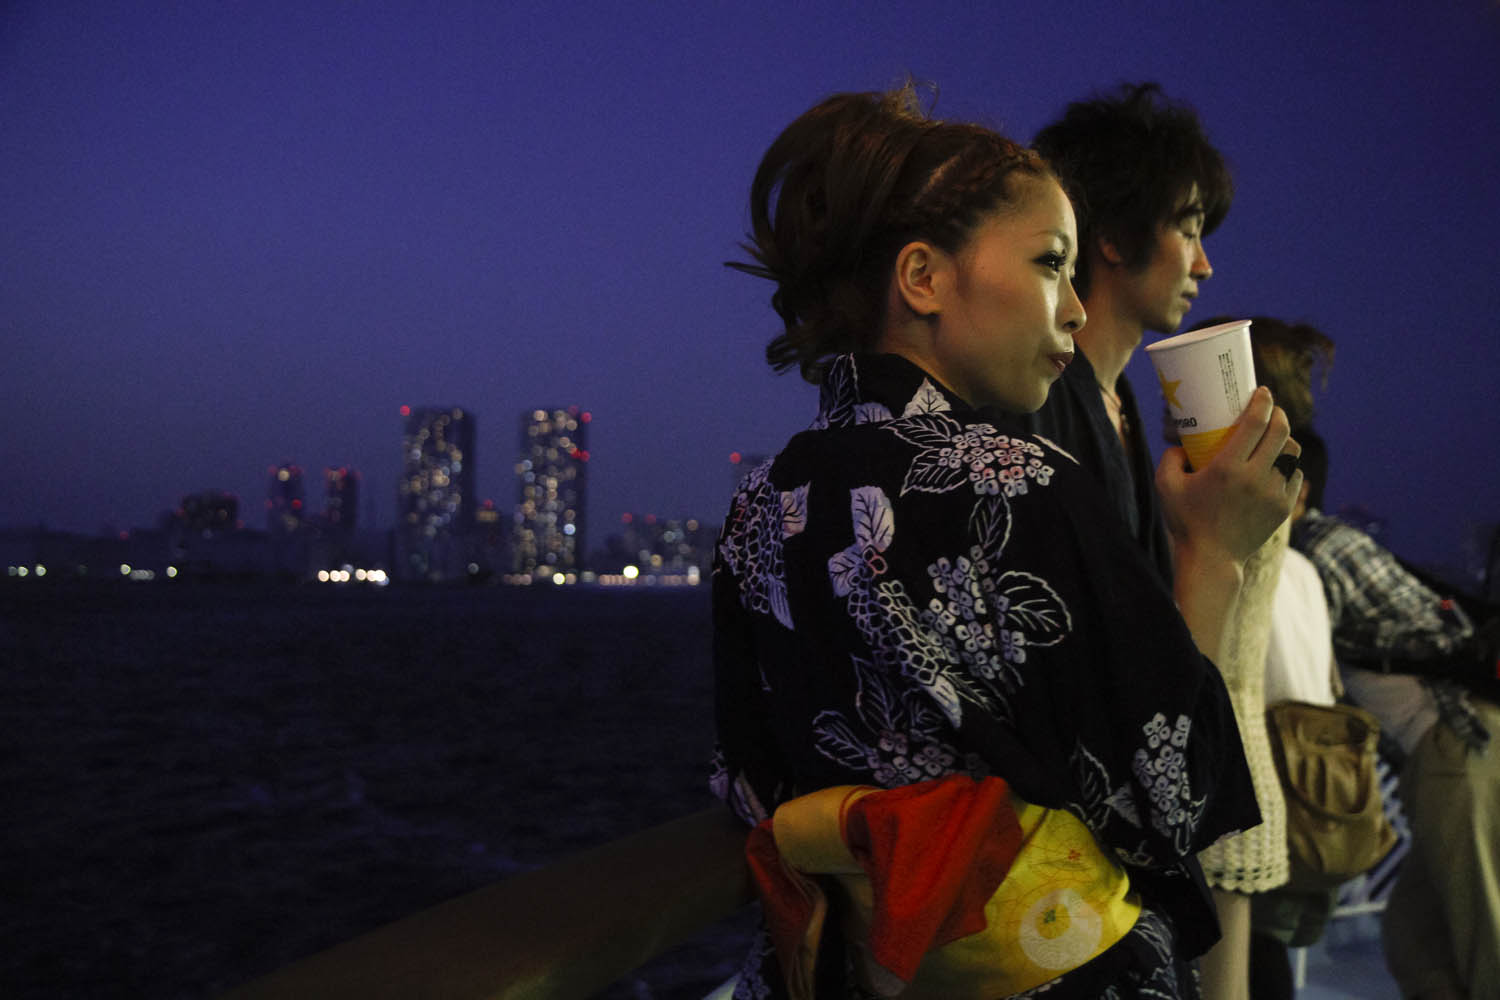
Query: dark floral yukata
pixel 908 591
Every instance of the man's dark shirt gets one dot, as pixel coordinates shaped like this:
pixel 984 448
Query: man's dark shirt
pixel 1075 420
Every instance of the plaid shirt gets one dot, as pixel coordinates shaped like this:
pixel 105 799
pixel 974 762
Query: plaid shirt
pixel 1382 615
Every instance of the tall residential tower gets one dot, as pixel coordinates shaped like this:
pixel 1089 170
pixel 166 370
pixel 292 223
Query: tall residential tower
pixel 435 497
pixel 552 474
pixel 284 514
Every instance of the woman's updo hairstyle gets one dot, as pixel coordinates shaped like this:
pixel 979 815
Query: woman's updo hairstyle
pixel 838 194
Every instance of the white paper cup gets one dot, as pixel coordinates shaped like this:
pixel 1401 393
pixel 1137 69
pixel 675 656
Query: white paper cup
pixel 1207 376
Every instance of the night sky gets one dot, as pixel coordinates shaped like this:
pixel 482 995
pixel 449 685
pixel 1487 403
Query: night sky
pixel 233 234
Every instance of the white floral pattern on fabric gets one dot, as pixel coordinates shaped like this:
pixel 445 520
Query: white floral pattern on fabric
pixel 897 737
pixel 1163 983
pixel 927 400
pixel 752 550
pixel 952 453
pixel 901 641
pixel 1095 786
pixel 751 984
pixel 739 793
pixel 971 599
pixel 882 611
pixel 1056 447
pixel 1160 767
pixel 969 641
pixel 838 395
pixel 794 511
pixel 874 528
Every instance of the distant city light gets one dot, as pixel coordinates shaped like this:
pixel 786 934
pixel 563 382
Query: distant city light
pixel 322 576
pixel 22 571
pixel 406 411
pixel 124 569
pixel 171 572
pixel 559 578
pixel 631 572
pixel 735 458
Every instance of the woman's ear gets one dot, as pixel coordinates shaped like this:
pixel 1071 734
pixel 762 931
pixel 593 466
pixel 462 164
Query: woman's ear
pixel 919 277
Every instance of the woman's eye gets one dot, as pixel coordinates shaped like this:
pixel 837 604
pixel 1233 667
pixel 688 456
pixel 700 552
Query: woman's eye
pixel 1053 261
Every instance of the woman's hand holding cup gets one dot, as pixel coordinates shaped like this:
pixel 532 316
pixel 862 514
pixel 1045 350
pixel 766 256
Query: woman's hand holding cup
pixel 1234 503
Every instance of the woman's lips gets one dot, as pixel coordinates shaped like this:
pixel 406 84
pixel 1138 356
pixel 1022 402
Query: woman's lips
pixel 1061 360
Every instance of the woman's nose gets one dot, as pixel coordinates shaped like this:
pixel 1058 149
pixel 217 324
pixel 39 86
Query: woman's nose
pixel 1071 311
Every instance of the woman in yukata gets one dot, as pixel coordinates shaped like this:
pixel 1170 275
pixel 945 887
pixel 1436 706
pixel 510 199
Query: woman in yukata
pixel 990 739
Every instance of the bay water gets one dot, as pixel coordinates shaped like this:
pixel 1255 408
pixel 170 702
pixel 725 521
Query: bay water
pixel 203 782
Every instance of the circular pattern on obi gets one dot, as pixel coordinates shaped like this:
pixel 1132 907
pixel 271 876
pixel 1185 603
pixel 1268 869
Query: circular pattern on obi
pixel 1060 931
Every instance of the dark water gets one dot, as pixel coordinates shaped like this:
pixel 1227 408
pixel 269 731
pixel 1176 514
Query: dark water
pixel 203 783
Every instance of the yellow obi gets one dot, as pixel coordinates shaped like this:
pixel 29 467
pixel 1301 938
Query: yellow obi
pixel 1062 902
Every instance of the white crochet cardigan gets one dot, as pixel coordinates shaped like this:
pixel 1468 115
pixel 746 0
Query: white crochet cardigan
pixel 1256 860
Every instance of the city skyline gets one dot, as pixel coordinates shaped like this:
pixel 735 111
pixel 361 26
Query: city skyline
pixel 362 500
pixel 235 236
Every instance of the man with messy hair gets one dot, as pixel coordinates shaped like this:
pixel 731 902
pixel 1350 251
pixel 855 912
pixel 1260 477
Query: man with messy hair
pixel 1147 187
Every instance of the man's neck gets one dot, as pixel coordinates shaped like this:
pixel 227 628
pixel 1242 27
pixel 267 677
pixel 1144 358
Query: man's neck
pixel 1108 339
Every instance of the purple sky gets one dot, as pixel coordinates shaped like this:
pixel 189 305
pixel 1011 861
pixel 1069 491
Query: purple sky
pixel 235 233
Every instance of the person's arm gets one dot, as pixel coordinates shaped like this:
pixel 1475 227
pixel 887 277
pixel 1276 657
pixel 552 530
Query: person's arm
pixel 1387 618
pixel 1207 584
pixel 1220 515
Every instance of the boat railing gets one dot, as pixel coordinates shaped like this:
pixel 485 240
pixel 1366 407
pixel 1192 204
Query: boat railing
pixel 562 932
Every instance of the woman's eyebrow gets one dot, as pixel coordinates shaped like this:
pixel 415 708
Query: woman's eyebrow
pixel 1066 239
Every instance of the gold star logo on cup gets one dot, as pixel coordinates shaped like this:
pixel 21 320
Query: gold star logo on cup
pixel 1169 389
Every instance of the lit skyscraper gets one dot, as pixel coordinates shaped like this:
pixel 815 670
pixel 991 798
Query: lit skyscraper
pixel 204 515
pixel 341 499
pixel 552 473
pixel 284 500
pixel 435 497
